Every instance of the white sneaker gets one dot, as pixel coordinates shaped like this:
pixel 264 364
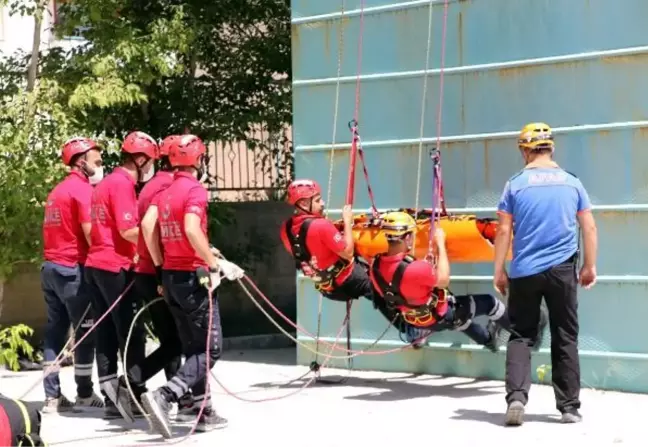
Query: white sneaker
pixel 59 404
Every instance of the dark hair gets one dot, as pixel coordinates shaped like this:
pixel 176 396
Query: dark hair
pixel 164 164
pixel 76 158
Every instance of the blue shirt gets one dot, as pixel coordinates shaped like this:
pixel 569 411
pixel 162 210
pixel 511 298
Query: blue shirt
pixel 544 203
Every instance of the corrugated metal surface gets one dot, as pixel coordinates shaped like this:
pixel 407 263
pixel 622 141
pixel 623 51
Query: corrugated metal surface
pixel 578 65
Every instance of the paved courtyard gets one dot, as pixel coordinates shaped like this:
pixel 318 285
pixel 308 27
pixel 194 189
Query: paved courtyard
pixel 370 408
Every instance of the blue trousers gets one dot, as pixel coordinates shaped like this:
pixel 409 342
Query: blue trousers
pixel 67 301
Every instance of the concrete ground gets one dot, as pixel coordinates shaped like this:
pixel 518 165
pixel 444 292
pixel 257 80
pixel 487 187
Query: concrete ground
pixel 372 408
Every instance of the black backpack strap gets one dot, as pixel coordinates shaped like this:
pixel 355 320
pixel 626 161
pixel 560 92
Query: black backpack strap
pixel 383 286
pixel 298 244
pixel 391 292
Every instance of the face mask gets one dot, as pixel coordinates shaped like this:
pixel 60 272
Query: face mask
pixel 148 175
pixel 97 176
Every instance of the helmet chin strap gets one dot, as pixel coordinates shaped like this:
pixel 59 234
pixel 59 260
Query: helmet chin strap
pixel 310 207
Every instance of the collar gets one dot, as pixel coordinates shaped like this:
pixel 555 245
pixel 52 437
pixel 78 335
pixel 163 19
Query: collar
pixel 121 171
pixel 393 258
pixel 187 175
pixel 80 175
pixel 165 174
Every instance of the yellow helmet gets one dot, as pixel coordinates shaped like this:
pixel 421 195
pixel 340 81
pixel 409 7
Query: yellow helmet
pixel 396 224
pixel 536 136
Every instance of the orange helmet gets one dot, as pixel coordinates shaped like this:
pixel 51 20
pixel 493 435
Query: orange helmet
pixel 140 143
pixel 302 189
pixel 165 146
pixel 186 151
pixel 77 146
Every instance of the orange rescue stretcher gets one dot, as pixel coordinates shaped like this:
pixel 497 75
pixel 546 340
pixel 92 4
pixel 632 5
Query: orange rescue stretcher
pixel 469 239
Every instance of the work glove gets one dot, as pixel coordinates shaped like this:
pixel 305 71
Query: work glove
pixel 230 270
pixel 209 279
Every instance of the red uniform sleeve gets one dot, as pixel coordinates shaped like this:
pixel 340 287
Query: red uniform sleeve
pixel 124 203
pixel 330 236
pixel 83 201
pixel 196 202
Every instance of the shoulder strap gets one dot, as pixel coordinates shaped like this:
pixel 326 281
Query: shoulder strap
pixel 394 287
pixel 298 244
pixel 398 274
pixel 383 286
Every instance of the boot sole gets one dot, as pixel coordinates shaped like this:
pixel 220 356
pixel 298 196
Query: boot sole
pixel 157 419
pixel 125 412
pixel 515 416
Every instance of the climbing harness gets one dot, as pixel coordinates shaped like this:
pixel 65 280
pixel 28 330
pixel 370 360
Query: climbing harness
pixel 356 151
pixel 315 367
pixel 417 315
pixel 324 278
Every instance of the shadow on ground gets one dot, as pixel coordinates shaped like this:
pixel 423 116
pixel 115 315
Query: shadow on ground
pixel 498 418
pixel 396 388
pixel 283 357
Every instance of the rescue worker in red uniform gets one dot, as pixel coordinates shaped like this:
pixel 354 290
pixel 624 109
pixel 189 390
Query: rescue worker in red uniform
pixel 148 282
pixel 114 235
pixel 419 293
pixel 321 252
pixel 66 234
pixel 178 220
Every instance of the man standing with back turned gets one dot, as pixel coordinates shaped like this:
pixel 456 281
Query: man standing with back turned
pixel 542 204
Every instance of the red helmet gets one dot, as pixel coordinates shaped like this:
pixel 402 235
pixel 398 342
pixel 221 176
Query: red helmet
pixel 140 143
pixel 187 151
pixel 165 146
pixel 76 146
pixel 302 189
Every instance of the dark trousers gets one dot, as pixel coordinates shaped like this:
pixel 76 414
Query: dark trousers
pixel 67 301
pixel 463 311
pixel 105 288
pixel 167 356
pixel 188 301
pixel 558 286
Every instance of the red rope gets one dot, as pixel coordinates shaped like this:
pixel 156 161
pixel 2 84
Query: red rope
pixel 354 128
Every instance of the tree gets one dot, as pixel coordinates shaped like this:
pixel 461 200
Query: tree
pixel 162 66
pixel 213 68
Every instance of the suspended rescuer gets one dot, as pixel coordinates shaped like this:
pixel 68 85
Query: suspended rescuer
pixel 539 210
pixel 109 274
pixel 321 252
pixel 66 235
pixel 418 291
pixel 185 255
pixel 148 282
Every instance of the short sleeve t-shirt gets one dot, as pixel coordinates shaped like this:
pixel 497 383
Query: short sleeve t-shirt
pixel 185 195
pixel 323 241
pixel 160 182
pixel 67 207
pixel 114 209
pixel 417 284
pixel 544 203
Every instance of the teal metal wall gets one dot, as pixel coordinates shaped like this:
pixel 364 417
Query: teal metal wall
pixel 579 65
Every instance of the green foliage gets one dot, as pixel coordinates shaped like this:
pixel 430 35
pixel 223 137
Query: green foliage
pixel 32 125
pixel 216 69
pixel 13 344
